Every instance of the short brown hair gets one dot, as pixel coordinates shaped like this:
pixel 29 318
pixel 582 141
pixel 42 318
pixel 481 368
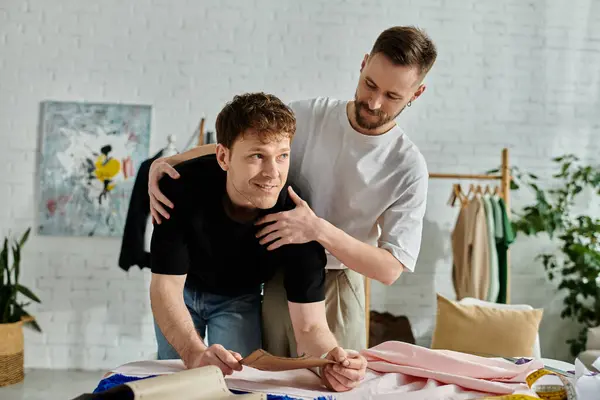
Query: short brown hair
pixel 407 46
pixel 268 116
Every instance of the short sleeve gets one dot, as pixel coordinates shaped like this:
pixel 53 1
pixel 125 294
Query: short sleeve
pixel 304 264
pixel 303 111
pixel 169 252
pixel 304 273
pixel 402 223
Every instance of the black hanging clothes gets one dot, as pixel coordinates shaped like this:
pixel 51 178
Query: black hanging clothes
pixel 132 246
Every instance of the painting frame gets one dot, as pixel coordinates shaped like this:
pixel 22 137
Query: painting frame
pixel 90 153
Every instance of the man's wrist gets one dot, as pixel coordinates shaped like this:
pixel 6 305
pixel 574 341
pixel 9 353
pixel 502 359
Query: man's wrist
pixel 322 231
pixel 192 349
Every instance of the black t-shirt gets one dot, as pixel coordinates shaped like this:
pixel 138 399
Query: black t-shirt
pixel 220 255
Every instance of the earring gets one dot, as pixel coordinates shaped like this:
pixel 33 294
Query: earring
pixel 409 104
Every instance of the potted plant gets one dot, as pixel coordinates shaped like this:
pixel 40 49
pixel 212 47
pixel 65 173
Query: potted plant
pixel 576 264
pixel 12 312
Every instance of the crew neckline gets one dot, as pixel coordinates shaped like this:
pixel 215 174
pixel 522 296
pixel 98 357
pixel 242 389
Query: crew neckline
pixel 393 133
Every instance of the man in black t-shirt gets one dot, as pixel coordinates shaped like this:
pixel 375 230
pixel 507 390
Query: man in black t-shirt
pixel 208 266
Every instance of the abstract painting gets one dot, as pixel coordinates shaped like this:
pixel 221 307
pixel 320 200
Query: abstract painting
pixel 90 156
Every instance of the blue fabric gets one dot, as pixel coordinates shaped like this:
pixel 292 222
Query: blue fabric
pixel 283 397
pixel 233 322
pixel 118 379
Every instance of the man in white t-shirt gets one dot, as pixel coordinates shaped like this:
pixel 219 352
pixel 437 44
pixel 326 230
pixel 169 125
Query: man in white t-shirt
pixel 364 186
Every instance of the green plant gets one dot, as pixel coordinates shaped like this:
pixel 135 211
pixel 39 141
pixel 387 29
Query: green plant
pixel 10 309
pixel 577 264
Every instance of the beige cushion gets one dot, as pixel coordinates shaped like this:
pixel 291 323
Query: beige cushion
pixel 593 339
pixel 485 331
pixel 537 351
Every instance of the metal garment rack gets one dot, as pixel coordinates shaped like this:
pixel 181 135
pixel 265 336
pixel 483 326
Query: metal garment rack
pixel 505 178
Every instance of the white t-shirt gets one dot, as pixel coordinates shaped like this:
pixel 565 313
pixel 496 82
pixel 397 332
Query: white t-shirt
pixel 374 188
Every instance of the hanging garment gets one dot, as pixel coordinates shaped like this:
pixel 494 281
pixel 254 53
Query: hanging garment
pixel 508 237
pixel 460 275
pixel 471 261
pixel 499 237
pixel 133 248
pixel 494 286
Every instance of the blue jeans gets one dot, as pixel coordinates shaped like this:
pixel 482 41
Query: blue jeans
pixel 233 322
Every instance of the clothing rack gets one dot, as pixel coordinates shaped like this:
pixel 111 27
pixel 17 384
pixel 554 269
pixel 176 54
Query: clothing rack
pixel 505 178
pixel 197 135
pixel 201 132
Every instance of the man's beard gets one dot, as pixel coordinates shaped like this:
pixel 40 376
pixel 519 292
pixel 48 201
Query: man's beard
pixel 382 118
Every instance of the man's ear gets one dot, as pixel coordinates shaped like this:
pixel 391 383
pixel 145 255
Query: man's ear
pixel 419 92
pixel 364 62
pixel 223 156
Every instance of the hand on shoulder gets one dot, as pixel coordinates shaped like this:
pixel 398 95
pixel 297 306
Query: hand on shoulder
pixel 158 169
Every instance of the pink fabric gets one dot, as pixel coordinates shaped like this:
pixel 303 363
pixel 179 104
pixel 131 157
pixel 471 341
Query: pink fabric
pixel 395 370
pixel 450 367
pixel 400 370
pixel 303 384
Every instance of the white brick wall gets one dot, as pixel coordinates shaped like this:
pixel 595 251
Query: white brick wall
pixel 521 74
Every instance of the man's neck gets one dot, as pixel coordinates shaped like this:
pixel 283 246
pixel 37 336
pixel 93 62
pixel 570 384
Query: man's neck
pixel 351 114
pixel 236 206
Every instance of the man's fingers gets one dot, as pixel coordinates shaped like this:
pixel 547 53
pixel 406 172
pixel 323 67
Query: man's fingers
pixel 161 197
pixel 227 358
pixel 269 228
pixel 351 375
pixel 222 366
pixel 235 355
pixel 172 172
pixel 343 380
pixel 333 381
pixel 156 206
pixel 357 363
pixel 270 237
pixel 339 355
pixel 213 359
pixel 295 198
pixel 155 217
pixel 277 244
pixel 269 218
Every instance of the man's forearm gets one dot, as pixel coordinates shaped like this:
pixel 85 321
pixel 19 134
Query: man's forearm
pixel 196 152
pixel 315 341
pixel 175 321
pixel 368 260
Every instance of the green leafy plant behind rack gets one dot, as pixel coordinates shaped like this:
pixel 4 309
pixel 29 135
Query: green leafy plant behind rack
pixel 11 310
pixel 576 262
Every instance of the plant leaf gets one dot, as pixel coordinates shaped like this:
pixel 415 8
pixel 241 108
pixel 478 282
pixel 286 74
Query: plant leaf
pixel 35 325
pixel 16 263
pixel 28 293
pixel 4 263
pixel 24 237
pixel 22 313
pixel 4 303
pixel 10 295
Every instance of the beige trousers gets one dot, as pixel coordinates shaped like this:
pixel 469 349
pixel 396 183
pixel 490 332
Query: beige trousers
pixel 344 304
